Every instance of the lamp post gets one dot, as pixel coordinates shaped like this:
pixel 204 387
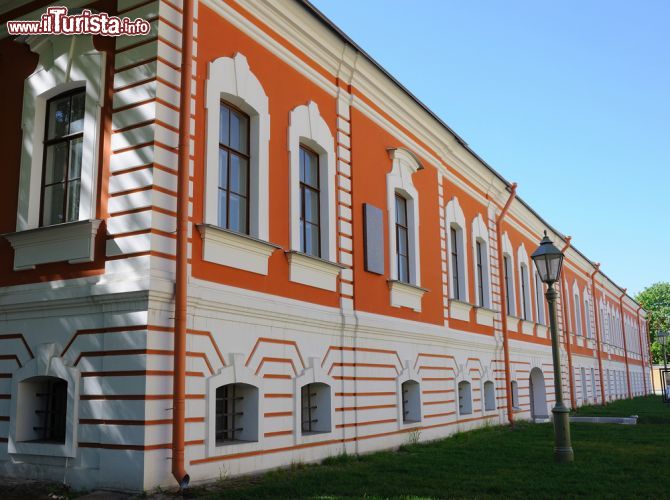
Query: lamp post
pixel 548 260
pixel 662 337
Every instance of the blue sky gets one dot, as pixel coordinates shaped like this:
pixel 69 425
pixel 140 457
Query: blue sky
pixel 569 99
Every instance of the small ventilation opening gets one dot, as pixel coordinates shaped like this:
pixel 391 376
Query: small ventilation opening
pixel 411 402
pixel 236 413
pixel 315 408
pixel 42 410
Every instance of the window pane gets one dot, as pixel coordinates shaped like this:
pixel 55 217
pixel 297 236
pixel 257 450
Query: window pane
pixel 312 239
pixel 77 113
pixel 237 218
pixel 76 147
pixel 53 205
pixel 402 240
pixel 400 211
pixel 311 205
pixel 59 116
pixel 56 163
pixel 403 269
pixel 223 208
pixel 73 190
pixel 224 123
pixel 239 170
pixel 309 168
pixel 238 131
pixel 223 168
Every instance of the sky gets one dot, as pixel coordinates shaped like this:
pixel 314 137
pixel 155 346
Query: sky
pixel 570 99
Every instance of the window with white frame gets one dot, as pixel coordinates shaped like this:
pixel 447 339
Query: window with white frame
pixel 524 281
pixel 508 275
pixel 236 417
pixel 315 408
pixel 456 244
pixel 480 237
pixel 411 401
pixel 577 309
pixel 587 316
pixel 403 230
pixel 539 299
pixel 489 396
pixel 515 394
pixel 464 398
pixel 237 148
pixel 44 401
pixel 61 118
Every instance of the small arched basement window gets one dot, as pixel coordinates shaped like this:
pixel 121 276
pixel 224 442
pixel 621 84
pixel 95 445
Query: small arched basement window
pixel 411 402
pixel 42 410
pixel 515 394
pixel 489 396
pixel 315 408
pixel 464 398
pixel 236 413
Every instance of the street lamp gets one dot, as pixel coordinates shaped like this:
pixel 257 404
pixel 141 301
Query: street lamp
pixel 548 260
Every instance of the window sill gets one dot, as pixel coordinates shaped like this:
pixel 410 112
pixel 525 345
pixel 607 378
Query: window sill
pixel 406 295
pixel 527 327
pixel 459 310
pixel 485 316
pixel 72 242
pixel 313 271
pixel 513 323
pixel 228 248
pixel 542 331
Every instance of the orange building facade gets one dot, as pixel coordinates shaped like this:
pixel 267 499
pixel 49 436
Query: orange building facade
pixel 354 273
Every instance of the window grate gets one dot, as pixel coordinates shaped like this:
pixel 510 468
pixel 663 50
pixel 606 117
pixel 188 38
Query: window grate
pixel 227 413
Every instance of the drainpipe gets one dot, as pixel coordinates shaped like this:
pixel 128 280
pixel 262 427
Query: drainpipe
pixel 179 380
pixel 639 336
pixel 503 298
pixel 566 328
pixel 651 359
pixel 625 348
pixel 598 333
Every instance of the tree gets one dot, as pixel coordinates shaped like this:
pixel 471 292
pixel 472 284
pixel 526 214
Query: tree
pixel 655 299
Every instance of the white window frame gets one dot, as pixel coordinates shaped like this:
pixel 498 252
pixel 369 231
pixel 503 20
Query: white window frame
pixel 522 259
pixel 65 64
pixel 454 218
pixel 509 252
pixel 481 234
pixel 587 313
pixel 312 374
pixel 408 374
pixel 539 299
pixel 230 79
pixel 577 309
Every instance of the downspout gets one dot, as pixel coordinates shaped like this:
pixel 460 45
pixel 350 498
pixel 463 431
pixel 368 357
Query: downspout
pixel 625 348
pixel 180 301
pixel 566 328
pixel 639 336
pixel 598 333
pixel 651 359
pixel 503 305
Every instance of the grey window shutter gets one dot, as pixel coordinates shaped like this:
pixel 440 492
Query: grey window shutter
pixel 373 230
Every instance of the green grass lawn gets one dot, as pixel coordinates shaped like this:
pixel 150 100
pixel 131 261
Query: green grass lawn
pixel 611 460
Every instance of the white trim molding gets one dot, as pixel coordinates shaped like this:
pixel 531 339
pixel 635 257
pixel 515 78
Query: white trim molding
pixel 314 373
pixel 307 127
pixel 481 234
pixel 454 217
pixel 73 242
pixel 524 285
pixel 406 295
pixel 399 180
pixel 65 63
pixel 232 249
pixel 46 363
pixel 509 252
pixel 312 271
pixel 459 310
pixel 231 80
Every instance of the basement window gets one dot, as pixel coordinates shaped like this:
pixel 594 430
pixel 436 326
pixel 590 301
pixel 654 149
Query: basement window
pixel 515 395
pixel 489 396
pixel 315 408
pixel 411 402
pixel 43 410
pixel 236 414
pixel 464 398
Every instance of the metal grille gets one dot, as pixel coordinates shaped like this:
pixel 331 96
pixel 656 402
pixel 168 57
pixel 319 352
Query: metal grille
pixel 52 411
pixel 308 403
pixel 228 414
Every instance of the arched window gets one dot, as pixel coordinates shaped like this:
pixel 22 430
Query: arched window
pixel 411 401
pixel 577 308
pixel 515 394
pixel 524 280
pixel 489 396
pixel 464 398
pixel 42 410
pixel 402 238
pixel 587 315
pixel 236 418
pixel 456 244
pixel 508 276
pixel 480 237
pixel 539 300
pixel 315 408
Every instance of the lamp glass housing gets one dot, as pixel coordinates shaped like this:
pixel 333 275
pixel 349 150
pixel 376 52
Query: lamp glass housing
pixel 548 260
pixel 662 337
